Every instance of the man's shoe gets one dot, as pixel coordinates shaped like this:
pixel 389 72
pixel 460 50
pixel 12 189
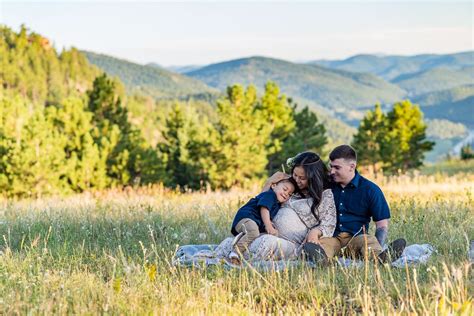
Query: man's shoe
pixel 393 251
pixel 315 253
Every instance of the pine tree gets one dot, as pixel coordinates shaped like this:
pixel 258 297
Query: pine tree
pixel 396 141
pixel 405 143
pixel 85 169
pixel 275 111
pixel 369 139
pixel 308 134
pixel 187 149
pixel 242 154
pixel 32 162
pixel 467 152
pixel 127 155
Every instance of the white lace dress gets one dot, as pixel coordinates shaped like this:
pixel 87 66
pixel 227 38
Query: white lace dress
pixel 293 221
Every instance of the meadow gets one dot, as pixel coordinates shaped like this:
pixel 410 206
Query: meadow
pixel 111 253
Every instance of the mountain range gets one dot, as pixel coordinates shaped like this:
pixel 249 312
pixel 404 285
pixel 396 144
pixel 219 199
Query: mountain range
pixel 330 88
pixel 391 67
pixel 344 89
pixel 340 91
pixel 150 80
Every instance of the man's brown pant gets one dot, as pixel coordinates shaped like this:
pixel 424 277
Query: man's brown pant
pixel 359 246
pixel 250 228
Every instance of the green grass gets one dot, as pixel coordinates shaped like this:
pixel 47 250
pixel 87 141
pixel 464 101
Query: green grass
pixel 112 253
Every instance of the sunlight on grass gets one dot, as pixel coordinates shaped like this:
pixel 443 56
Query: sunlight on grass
pixel 111 252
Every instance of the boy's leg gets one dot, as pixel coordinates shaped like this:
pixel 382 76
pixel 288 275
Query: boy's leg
pixel 363 246
pixel 251 232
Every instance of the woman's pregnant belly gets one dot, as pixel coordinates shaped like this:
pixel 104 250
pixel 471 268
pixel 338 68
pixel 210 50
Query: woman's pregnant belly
pixel 289 225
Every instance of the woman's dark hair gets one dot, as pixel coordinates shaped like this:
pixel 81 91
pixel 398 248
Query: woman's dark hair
pixel 316 173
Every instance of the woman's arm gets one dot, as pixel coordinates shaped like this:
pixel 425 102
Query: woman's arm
pixel 327 214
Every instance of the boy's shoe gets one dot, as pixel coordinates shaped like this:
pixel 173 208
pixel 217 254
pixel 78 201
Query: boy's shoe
pixel 315 253
pixel 237 238
pixel 234 259
pixel 393 251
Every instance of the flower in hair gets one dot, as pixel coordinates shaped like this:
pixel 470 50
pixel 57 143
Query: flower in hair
pixel 290 162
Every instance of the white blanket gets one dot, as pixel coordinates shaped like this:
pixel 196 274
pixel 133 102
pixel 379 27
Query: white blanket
pixel 207 255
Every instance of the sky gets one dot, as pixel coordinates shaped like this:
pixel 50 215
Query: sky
pixel 205 32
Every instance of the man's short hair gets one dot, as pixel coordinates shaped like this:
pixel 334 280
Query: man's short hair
pixel 344 152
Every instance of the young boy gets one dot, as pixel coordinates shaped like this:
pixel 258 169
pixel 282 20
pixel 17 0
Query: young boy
pixel 256 216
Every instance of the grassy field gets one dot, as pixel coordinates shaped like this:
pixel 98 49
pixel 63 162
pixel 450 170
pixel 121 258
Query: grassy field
pixel 111 253
pixel 449 167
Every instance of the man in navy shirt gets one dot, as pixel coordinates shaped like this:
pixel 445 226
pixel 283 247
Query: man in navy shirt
pixel 358 201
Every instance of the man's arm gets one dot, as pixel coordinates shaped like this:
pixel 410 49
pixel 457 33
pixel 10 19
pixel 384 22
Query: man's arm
pixel 380 214
pixel 381 231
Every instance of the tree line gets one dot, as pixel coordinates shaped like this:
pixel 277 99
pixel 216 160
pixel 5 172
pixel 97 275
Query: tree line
pixel 66 127
pixel 90 143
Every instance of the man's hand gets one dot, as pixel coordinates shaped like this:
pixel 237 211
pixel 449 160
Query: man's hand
pixel 313 236
pixel 271 229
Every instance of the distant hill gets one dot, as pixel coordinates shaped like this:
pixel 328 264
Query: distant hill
pixel 445 96
pixel 156 65
pixel 327 87
pixel 184 69
pixel 446 135
pixel 390 67
pixel 31 67
pixel 435 79
pixel 443 82
pixel 149 80
pixel 455 104
pixel 461 111
pixel 178 69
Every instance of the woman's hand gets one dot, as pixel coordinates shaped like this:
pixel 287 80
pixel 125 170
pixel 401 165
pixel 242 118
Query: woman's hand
pixel 314 235
pixel 277 176
pixel 271 229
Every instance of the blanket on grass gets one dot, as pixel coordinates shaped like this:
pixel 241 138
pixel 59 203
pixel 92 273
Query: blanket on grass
pixel 208 255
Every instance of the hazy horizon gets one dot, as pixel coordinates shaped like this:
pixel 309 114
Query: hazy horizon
pixel 202 33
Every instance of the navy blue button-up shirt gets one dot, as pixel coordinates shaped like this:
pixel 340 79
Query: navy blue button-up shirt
pixel 357 203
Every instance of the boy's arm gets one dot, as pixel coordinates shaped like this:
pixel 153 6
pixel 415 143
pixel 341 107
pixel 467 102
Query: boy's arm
pixel 265 214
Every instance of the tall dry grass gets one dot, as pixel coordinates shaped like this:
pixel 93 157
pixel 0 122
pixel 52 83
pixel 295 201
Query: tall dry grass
pixel 111 252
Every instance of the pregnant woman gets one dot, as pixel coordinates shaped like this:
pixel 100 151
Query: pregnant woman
pixel 307 216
